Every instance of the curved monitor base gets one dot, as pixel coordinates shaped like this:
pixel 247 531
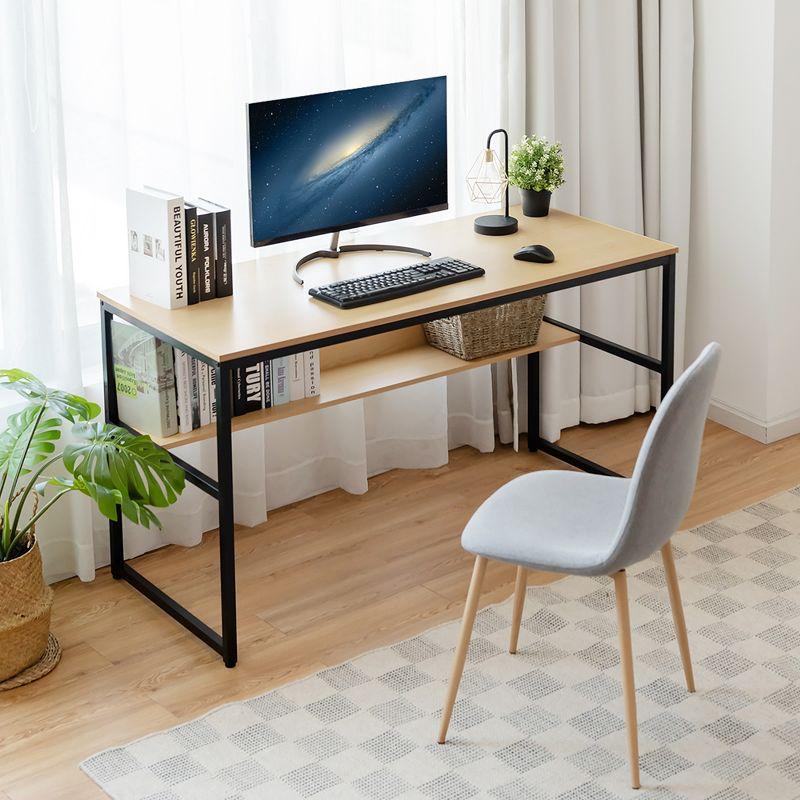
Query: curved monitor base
pixel 336 250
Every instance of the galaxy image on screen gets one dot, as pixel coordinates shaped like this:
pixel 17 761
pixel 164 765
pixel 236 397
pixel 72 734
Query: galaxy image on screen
pixel 335 160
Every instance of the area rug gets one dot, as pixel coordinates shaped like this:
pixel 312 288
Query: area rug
pixel 545 724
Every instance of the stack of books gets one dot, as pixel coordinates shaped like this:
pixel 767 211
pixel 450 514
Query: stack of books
pixel 179 253
pixel 163 391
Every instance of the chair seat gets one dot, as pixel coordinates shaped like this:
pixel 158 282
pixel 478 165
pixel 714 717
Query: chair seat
pixel 551 520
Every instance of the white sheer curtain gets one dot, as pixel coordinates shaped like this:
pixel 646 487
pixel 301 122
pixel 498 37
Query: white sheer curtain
pixel 613 82
pixel 154 92
pixel 38 321
pixel 104 94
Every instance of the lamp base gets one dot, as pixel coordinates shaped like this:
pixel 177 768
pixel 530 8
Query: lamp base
pixel 495 225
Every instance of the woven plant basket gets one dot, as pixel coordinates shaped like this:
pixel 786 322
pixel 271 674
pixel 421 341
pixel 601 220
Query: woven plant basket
pixel 25 603
pixel 478 334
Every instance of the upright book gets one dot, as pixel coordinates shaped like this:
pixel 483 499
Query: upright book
pixel 145 380
pixel 297 377
pixel 248 389
pixel 208 270
pixel 266 391
pixel 279 380
pixel 223 254
pixel 311 365
pixel 204 393
pixel 183 391
pixel 157 247
pixel 212 393
pixel 194 365
pixel 192 254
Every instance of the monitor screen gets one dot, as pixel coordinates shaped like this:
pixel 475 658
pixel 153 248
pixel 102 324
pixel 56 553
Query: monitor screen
pixel 338 160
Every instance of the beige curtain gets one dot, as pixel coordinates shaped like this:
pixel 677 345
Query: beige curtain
pixel 613 82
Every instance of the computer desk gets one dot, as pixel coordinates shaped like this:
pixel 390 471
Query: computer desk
pixel 373 348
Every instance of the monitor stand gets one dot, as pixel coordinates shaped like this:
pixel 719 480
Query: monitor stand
pixel 335 250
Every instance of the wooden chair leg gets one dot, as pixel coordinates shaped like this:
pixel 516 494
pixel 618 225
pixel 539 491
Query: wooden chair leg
pixel 467 621
pixel 628 686
pixel 520 585
pixel 677 613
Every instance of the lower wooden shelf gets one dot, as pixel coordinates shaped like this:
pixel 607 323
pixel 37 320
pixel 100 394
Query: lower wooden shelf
pixel 370 366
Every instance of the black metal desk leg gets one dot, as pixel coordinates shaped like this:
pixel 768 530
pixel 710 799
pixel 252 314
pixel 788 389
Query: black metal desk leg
pixel 667 325
pixel 115 549
pixel 227 553
pixel 533 401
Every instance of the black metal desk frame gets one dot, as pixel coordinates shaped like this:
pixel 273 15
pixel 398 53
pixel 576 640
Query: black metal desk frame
pixel 221 489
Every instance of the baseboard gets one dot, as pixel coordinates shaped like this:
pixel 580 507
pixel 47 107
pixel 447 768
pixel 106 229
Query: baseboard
pixel 761 430
pixel 781 428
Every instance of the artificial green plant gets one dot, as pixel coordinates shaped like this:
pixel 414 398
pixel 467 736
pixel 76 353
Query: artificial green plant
pixel 536 164
pixel 115 468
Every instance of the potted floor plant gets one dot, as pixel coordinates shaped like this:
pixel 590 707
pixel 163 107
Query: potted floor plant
pixel 536 166
pixel 115 468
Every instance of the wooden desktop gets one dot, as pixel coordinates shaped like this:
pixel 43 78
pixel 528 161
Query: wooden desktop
pixel 373 348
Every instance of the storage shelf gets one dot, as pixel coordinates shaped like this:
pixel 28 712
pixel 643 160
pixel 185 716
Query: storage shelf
pixel 368 376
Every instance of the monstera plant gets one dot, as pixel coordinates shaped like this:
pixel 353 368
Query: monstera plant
pixel 117 469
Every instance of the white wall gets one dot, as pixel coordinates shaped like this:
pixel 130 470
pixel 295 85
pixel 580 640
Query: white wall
pixel 743 277
pixel 783 371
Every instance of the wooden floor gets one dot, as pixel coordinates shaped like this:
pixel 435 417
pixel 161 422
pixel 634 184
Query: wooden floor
pixel 324 580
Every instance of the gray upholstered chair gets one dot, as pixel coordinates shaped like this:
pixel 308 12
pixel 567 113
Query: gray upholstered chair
pixel 582 524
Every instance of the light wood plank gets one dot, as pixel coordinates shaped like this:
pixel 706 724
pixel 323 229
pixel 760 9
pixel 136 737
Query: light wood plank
pixel 268 310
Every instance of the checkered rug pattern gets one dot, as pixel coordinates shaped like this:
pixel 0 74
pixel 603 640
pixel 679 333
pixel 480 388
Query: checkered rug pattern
pixel 545 724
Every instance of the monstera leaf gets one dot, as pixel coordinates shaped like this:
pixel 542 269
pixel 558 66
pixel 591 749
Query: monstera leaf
pixel 71 407
pixel 115 468
pixel 106 499
pixel 110 457
pixel 17 435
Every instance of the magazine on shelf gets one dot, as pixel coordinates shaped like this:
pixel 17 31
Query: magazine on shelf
pixel 144 376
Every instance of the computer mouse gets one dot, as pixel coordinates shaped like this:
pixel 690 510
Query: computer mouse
pixel 539 253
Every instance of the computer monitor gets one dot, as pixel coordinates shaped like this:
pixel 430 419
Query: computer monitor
pixel 327 162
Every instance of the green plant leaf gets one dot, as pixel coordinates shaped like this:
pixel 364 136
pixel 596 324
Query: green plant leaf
pixel 536 164
pixel 14 438
pixel 71 407
pixel 106 499
pixel 141 471
pixel 139 513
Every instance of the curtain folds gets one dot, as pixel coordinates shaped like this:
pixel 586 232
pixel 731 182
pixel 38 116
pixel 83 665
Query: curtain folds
pixel 613 82
pixel 123 94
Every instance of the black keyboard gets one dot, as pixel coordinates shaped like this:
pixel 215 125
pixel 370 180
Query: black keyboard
pixel 396 282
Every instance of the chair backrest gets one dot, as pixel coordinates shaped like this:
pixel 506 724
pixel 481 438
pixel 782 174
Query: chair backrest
pixel 664 476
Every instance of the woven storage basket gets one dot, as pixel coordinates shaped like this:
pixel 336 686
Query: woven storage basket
pixel 25 603
pixel 478 334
